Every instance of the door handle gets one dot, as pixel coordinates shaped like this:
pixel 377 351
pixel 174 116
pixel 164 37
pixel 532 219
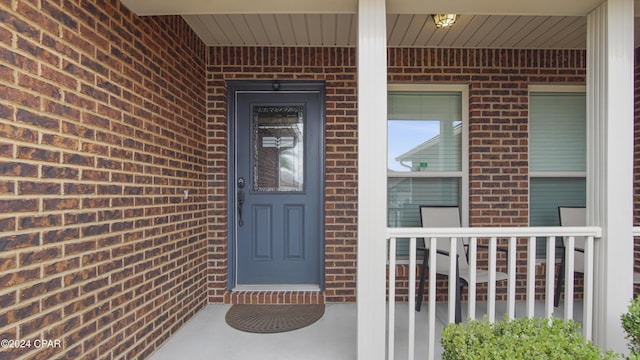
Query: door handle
pixel 240 200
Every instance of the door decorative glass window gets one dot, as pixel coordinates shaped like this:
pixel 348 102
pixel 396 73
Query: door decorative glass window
pixel 278 148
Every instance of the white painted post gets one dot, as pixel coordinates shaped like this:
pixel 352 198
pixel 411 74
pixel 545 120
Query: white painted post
pixel 391 318
pixel 372 178
pixel 473 264
pixel 491 300
pixel 550 276
pixel 569 276
pixel 453 279
pixel 511 271
pixel 433 244
pixel 610 128
pixel 411 334
pixel 531 276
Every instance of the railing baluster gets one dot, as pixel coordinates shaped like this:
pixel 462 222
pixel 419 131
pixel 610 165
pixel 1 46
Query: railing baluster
pixel 491 301
pixel 550 271
pixel 587 316
pixel 569 276
pixel 531 276
pixel 453 279
pixel 511 272
pixel 392 300
pixel 432 298
pixel 493 234
pixel 412 298
pixel 473 262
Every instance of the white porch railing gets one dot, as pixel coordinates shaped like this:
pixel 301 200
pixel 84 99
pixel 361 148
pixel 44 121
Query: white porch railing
pixel 511 234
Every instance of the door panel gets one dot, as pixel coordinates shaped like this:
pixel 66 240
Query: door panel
pixel 279 159
pixel 261 237
pixel 294 232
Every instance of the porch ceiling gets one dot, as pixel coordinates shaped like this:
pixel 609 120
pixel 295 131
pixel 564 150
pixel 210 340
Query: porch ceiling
pixel 487 24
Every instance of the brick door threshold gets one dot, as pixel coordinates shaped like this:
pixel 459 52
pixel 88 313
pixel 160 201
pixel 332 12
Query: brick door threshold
pixel 274 297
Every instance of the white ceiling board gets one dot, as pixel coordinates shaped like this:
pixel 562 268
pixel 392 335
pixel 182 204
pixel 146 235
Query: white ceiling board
pixel 472 24
pixel 328 26
pixel 425 35
pixel 533 38
pixel 416 26
pixel 301 30
pixel 314 27
pixel 493 7
pixel 530 24
pixel 271 29
pixel 495 31
pixel 346 30
pixel 516 27
pixel 569 34
pixel 199 7
pixel 397 26
pixel 287 30
pixel 480 37
pixel 499 25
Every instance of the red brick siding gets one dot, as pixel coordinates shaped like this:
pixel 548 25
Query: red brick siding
pixel 498 101
pixel 498 115
pixel 335 66
pixel 498 82
pixel 106 117
pixel 102 127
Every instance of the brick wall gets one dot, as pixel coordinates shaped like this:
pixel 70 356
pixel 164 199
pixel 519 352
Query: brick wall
pixel 335 66
pixel 498 125
pixel 498 115
pixel 105 118
pixel 102 128
pixel 498 81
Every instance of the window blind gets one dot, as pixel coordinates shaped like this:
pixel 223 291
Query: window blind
pixel 427 105
pixel 557 144
pixel 557 127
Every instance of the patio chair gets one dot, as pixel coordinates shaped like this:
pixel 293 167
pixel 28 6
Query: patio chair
pixel 448 216
pixel 570 216
pixel 574 216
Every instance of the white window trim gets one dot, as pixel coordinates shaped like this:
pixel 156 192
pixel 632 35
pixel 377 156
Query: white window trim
pixel 557 88
pixel 464 174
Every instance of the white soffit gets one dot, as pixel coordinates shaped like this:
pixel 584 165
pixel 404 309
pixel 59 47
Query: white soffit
pixel 558 24
pixel 483 7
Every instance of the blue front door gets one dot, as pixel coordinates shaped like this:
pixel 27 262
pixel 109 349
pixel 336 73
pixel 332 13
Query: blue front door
pixel 279 187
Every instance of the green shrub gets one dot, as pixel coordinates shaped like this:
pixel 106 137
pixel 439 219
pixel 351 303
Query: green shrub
pixel 524 338
pixel 631 326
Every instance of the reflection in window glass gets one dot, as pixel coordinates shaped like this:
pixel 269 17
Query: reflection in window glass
pixel 424 145
pixel 405 195
pixel 424 139
pixel 278 148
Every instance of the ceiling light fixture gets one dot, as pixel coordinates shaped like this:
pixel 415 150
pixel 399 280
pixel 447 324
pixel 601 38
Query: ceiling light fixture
pixel 444 21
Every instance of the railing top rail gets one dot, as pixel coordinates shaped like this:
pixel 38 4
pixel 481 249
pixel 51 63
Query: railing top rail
pixel 500 232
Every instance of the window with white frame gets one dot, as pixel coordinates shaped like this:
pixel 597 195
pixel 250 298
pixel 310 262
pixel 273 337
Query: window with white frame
pixel 557 153
pixel 427 161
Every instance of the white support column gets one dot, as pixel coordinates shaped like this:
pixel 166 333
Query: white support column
pixel 372 178
pixel 610 163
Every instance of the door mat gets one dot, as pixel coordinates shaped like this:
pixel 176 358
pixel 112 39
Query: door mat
pixel 273 318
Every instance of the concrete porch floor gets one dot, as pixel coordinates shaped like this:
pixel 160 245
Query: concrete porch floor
pixel 207 335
